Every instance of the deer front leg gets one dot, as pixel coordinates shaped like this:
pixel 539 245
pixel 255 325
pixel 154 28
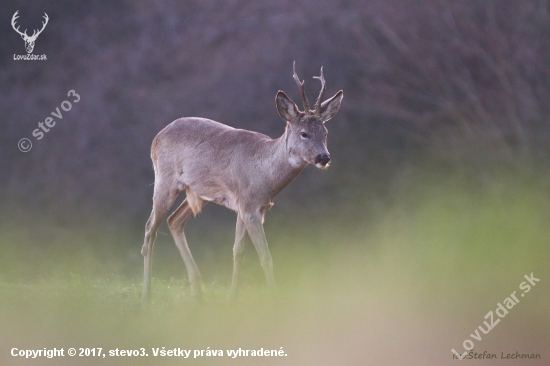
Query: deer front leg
pixel 254 225
pixel 238 255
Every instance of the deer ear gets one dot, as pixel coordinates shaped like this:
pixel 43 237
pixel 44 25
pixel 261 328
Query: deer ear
pixel 286 107
pixel 330 107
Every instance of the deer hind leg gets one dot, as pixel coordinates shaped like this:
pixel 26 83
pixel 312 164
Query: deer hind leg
pixel 176 223
pixel 163 198
pixel 238 255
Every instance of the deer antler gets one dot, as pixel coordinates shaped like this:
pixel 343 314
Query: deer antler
pixel 13 19
pixel 301 89
pixel 317 106
pixel 34 34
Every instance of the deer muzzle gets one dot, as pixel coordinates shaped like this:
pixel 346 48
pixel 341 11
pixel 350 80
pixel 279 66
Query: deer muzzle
pixel 322 160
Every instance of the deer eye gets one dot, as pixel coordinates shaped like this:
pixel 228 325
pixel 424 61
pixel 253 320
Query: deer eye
pixel 304 135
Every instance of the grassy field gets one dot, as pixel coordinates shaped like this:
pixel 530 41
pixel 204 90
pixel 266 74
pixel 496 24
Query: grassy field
pixel 403 286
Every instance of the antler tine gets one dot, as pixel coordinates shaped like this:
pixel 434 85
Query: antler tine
pixel 46 18
pixel 317 106
pixel 13 19
pixel 301 89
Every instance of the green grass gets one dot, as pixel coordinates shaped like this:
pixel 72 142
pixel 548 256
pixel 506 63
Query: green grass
pixel 401 287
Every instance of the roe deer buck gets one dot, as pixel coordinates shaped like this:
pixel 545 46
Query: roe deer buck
pixel 239 169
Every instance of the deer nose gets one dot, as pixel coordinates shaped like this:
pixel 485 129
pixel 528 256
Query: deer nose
pixel 323 159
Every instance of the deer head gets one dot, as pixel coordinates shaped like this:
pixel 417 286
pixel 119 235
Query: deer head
pixel 29 40
pixel 307 138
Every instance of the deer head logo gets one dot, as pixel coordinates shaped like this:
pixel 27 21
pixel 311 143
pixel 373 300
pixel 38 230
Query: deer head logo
pixel 29 40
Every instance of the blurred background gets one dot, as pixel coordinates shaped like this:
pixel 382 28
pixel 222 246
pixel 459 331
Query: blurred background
pixel 434 208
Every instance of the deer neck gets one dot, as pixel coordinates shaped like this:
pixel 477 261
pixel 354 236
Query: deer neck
pixel 285 166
